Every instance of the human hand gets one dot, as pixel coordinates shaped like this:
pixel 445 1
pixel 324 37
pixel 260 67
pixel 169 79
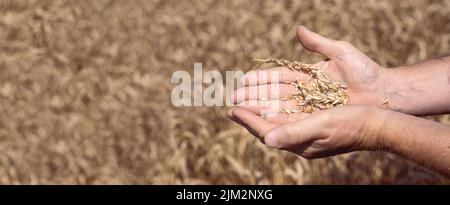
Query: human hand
pixel 364 78
pixel 326 133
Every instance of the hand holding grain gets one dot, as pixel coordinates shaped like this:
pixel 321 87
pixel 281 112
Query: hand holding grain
pixel 364 79
pixel 353 127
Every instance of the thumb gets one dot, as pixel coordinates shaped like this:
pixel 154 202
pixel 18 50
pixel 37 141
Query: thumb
pixel 317 43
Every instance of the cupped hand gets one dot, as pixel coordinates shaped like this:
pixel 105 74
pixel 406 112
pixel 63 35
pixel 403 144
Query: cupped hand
pixel 326 133
pixel 344 63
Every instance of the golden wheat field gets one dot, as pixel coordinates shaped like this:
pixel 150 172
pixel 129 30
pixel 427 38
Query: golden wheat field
pixel 85 87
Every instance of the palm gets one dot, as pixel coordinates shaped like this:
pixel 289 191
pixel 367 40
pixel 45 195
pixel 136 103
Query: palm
pixel 362 76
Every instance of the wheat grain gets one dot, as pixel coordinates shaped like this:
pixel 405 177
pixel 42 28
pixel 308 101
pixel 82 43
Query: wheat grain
pixel 386 103
pixel 316 94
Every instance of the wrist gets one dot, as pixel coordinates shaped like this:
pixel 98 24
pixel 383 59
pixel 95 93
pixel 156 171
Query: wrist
pixel 374 138
pixel 389 90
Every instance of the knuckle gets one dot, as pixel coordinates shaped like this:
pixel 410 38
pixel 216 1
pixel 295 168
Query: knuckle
pixel 289 134
pixel 345 44
pixel 327 123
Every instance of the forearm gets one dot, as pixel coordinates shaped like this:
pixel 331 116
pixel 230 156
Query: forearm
pixel 422 141
pixel 420 89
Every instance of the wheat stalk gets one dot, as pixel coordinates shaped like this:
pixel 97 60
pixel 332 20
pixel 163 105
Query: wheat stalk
pixel 317 94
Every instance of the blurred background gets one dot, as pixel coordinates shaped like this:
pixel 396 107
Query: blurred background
pixel 85 87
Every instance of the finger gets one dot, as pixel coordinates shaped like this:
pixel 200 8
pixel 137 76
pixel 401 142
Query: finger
pixel 283 118
pixel 272 110
pixel 317 43
pixel 273 75
pixel 262 92
pixel 269 107
pixel 295 133
pixel 254 123
pixel 249 129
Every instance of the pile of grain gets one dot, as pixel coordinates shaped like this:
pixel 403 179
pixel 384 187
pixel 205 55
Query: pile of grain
pixel 319 93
